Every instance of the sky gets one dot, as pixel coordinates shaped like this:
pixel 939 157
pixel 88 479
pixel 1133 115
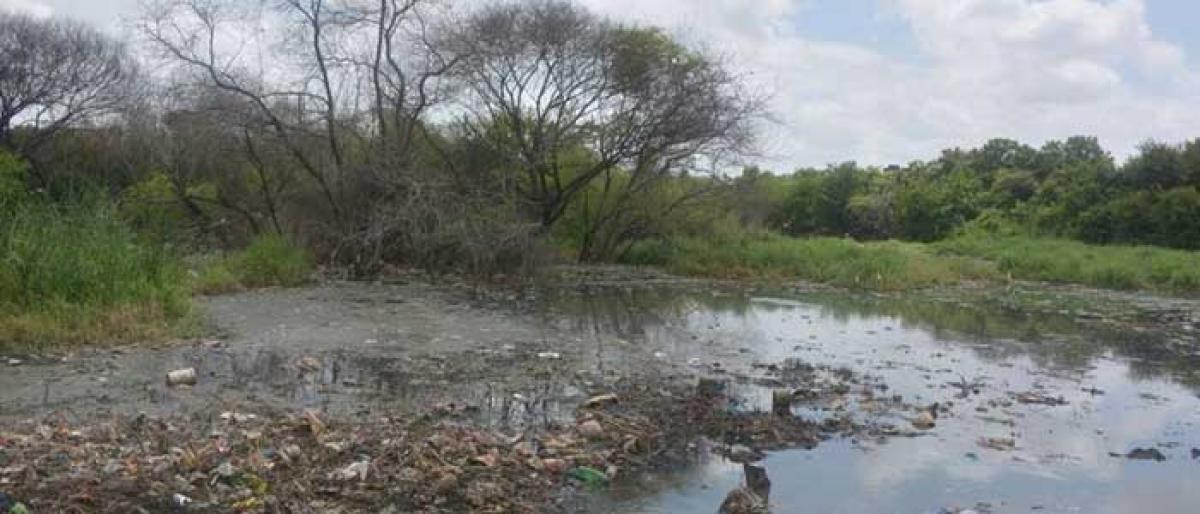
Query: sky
pixel 891 81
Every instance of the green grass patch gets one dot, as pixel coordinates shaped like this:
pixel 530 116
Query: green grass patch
pixel 879 266
pixel 1066 261
pixel 268 261
pixel 895 266
pixel 212 275
pixel 76 274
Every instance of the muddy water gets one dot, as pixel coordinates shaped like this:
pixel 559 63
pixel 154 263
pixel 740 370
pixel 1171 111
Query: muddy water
pixel 348 349
pixel 358 350
pixel 1105 393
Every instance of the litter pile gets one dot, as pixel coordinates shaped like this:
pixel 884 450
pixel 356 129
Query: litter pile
pixel 442 461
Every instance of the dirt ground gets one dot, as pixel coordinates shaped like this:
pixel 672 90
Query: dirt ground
pixel 365 397
pixel 413 396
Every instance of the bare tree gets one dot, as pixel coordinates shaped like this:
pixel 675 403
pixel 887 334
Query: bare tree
pixel 191 33
pixel 54 73
pixel 334 57
pixel 405 70
pixel 547 81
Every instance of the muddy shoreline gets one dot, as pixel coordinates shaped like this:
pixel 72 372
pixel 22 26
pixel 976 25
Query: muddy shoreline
pixel 395 370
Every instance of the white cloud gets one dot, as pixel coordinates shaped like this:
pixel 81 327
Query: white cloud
pixel 33 7
pixel 1026 69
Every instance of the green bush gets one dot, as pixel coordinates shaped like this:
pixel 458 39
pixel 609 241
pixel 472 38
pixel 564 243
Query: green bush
pixel 212 275
pixel 270 260
pixel 152 209
pixel 76 273
pixel 12 181
pixel 1165 218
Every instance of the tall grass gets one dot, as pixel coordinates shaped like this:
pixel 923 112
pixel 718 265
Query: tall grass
pixel 892 266
pixel 72 274
pixel 880 266
pixel 270 260
pixel 1066 261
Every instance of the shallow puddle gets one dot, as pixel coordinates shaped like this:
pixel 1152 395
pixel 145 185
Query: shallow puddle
pixel 1038 413
pixel 1041 412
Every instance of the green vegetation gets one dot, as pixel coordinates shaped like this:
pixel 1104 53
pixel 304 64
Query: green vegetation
pixel 609 162
pixel 884 266
pixel 1065 213
pixel 1065 261
pixel 895 265
pixel 73 270
pixel 71 274
pixel 1069 189
pixel 269 260
pixel 213 275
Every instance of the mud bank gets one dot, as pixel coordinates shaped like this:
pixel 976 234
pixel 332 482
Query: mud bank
pixel 406 395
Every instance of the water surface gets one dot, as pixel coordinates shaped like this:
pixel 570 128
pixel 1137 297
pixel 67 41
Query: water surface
pixel 376 349
pixel 1119 391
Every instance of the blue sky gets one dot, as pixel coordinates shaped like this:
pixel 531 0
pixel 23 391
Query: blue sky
pixel 1176 21
pixel 866 22
pixel 890 81
pixel 874 24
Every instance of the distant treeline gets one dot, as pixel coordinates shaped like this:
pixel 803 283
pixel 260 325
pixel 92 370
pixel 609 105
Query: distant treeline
pixel 1072 188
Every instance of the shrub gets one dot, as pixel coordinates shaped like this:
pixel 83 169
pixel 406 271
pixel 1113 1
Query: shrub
pixel 76 273
pixel 212 275
pixel 272 260
pixel 269 260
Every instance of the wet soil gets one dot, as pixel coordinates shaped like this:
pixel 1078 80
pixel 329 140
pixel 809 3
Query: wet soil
pixel 1041 394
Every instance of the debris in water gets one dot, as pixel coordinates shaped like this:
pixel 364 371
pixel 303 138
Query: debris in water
pixel 313 422
pixel 742 501
pixel 998 443
pixel 489 459
pixel 924 421
pixel 751 498
pixel 1145 454
pixel 186 376
pixel 309 364
pixel 358 470
pixel 781 402
pixel 237 417
pixel 554 466
pixel 591 429
pixel 447 481
pixel 1031 397
pixel 590 476
pixel 600 400
pixel 438 462
pixel 708 387
pixel 743 454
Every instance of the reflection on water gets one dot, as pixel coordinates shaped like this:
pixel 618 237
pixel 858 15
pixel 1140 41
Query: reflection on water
pixel 1123 390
